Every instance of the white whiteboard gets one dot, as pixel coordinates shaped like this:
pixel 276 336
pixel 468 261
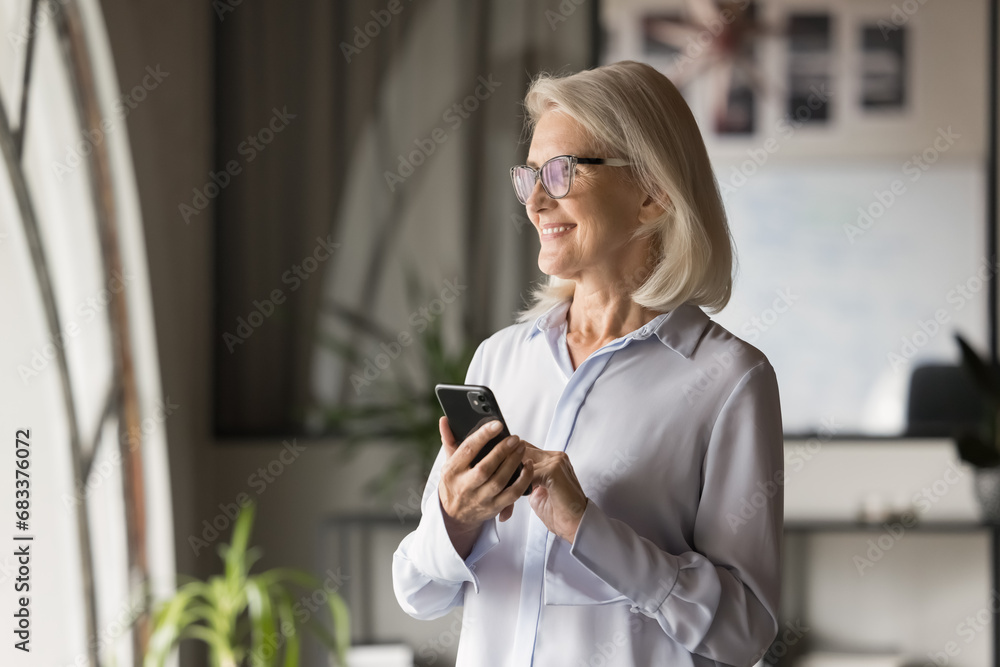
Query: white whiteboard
pixel 856 290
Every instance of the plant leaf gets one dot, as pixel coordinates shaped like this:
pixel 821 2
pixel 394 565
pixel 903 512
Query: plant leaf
pixel 236 564
pixel 341 625
pixel 281 575
pixel 287 616
pixel 167 627
pixel 217 644
pixel 981 372
pixel 261 622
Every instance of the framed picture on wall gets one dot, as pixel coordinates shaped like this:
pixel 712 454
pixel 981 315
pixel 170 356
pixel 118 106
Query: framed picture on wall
pixel 748 67
pixel 883 67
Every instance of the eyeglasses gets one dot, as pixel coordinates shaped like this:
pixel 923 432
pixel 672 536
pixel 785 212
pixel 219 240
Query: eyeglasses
pixel 556 175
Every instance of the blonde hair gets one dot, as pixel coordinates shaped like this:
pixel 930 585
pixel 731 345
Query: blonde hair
pixel 635 112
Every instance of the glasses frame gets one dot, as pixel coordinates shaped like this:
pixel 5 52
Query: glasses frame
pixel 573 161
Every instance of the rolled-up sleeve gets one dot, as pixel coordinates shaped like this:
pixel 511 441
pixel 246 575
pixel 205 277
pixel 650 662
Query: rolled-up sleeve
pixel 719 600
pixel 428 574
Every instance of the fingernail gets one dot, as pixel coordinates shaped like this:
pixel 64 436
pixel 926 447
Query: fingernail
pixel 494 426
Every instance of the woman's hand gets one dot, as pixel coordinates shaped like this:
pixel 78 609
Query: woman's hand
pixel 557 499
pixel 470 496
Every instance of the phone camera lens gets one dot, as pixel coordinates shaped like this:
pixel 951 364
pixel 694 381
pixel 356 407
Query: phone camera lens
pixel 481 397
pixel 487 408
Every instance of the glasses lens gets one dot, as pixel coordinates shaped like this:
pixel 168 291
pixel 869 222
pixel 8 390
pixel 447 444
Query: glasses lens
pixel 524 182
pixel 555 177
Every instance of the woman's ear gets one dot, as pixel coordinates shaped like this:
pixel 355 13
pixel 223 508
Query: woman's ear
pixel 650 210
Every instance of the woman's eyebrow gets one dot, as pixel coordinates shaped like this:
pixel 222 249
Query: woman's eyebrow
pixel 534 165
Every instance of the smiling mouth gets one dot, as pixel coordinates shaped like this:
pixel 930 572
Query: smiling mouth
pixel 547 231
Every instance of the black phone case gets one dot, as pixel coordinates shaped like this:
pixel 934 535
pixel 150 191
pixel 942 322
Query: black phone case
pixel 467 408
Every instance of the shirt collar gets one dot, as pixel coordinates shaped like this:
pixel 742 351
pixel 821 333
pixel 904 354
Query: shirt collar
pixel 553 317
pixel 680 329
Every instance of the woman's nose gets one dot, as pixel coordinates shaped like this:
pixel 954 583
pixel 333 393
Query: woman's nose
pixel 538 199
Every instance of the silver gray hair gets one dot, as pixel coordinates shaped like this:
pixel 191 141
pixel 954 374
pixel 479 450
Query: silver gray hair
pixel 633 111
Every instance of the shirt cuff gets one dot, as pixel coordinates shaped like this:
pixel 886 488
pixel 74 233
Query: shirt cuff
pixel 631 565
pixel 434 554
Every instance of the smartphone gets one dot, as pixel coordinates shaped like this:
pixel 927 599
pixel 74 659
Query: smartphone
pixel 468 407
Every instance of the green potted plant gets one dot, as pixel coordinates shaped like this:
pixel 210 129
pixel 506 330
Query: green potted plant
pixel 247 619
pixel 981 448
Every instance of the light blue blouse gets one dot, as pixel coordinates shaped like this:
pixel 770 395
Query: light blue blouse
pixel 674 432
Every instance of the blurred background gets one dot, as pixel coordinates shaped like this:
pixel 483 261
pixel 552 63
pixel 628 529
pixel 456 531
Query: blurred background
pixel 241 241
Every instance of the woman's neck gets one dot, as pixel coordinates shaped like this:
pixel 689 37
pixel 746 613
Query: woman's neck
pixel 604 315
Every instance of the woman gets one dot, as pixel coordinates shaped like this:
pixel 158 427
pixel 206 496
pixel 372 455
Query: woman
pixel 652 436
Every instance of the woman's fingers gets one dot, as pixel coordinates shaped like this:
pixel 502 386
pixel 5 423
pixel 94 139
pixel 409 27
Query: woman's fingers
pixel 473 494
pixel 492 462
pixel 537 455
pixel 510 495
pixel 545 462
pixel 447 439
pixel 511 458
pixel 466 452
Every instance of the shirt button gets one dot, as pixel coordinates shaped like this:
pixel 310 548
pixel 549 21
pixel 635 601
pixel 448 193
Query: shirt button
pixel 634 609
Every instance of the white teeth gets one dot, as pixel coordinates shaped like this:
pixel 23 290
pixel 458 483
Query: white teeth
pixel 553 230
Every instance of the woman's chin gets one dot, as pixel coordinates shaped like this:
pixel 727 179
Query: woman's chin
pixel 551 272
pixel 552 266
